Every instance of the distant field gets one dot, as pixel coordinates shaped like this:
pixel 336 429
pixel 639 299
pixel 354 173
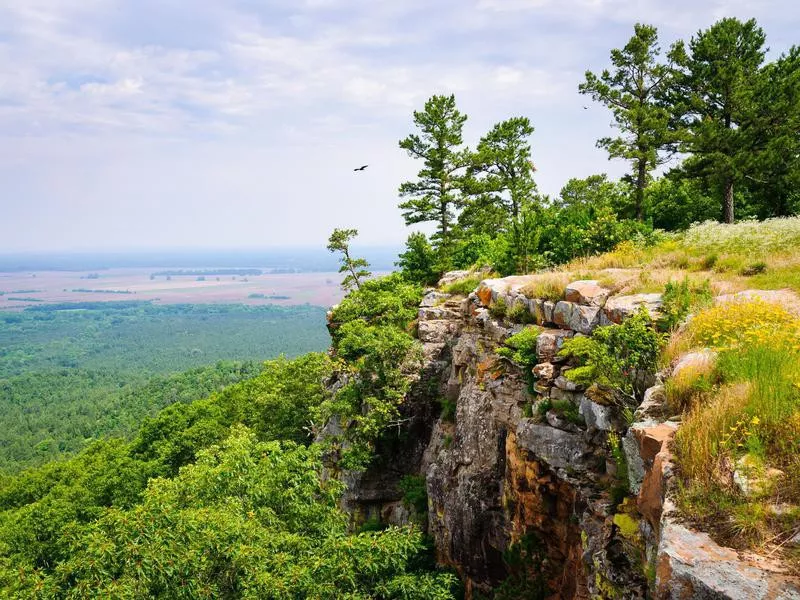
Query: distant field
pixel 320 289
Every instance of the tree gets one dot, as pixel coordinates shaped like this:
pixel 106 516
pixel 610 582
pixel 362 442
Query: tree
pixel 418 262
pixel 502 170
pixel 713 93
pixel 771 132
pixel 633 92
pixel 435 195
pixel 356 268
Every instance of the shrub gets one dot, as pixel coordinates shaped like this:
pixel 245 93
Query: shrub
pixel 616 355
pixel 448 410
pixel 568 410
pixel 520 313
pixel 521 347
pixel 753 269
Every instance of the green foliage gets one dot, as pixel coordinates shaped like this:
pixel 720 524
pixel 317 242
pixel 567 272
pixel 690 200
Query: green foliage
pixel 356 268
pixel 521 347
pixel 415 493
pixel 633 91
pixel 568 410
pixel 519 313
pixel 525 563
pixel 616 355
pixel 499 308
pixel 418 263
pixel 448 410
pixel 249 519
pixel 674 204
pixel 622 487
pixel 754 268
pixel 712 100
pixel 371 339
pixel 389 300
pixel 501 174
pixel 679 299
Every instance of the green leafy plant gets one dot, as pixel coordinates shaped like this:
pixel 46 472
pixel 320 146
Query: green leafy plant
pixel 616 356
pixel 521 347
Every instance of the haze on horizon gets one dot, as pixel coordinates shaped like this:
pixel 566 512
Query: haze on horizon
pixel 237 125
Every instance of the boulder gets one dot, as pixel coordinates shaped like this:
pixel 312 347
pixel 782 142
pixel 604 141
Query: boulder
pixel 584 318
pixel 550 342
pixel 560 449
pixel 563 383
pixel 433 298
pixel 786 298
pixel 453 276
pixel 654 404
pixel 587 292
pixel 700 361
pixel 599 416
pixel 436 331
pixel 619 308
pixel 753 478
pixel 691 565
pixel 562 314
pixel 546 371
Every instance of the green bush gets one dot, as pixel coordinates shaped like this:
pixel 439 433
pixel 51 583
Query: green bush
pixel 616 355
pixel 519 313
pixel 521 347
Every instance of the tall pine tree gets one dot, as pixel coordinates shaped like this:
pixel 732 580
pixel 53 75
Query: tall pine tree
pixel 713 98
pixel 435 195
pixel 634 91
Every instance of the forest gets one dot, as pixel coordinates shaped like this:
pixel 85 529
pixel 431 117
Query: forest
pixel 74 372
pixel 234 494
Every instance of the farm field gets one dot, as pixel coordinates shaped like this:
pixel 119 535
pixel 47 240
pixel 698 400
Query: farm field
pixel 23 289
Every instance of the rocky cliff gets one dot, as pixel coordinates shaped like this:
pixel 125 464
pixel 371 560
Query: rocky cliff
pixel 537 487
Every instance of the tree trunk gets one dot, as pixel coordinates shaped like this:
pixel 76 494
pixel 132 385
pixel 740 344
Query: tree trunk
pixel 727 208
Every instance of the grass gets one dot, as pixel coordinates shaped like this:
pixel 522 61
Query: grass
pixel 462 287
pixel 548 286
pixel 746 412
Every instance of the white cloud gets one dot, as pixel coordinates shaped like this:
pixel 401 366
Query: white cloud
pixel 273 101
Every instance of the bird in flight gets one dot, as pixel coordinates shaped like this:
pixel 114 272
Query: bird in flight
pixel 585 108
pixel 361 168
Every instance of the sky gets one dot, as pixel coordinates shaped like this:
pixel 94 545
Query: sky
pixel 133 124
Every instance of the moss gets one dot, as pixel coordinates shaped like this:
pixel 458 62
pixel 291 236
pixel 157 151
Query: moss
pixel 628 527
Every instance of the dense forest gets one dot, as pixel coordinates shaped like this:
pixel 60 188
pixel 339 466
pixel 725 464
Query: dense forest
pixel 235 495
pixel 71 373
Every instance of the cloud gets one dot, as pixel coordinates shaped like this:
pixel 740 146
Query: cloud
pixel 261 107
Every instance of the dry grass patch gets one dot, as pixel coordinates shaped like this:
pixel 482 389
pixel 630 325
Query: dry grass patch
pixel 548 286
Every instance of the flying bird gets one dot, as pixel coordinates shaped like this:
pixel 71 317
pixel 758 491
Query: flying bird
pixel 585 108
pixel 361 168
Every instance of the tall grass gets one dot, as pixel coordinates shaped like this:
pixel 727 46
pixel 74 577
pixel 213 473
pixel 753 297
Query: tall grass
pixel 753 415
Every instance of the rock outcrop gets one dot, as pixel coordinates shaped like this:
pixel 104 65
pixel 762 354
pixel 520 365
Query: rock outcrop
pixel 526 463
